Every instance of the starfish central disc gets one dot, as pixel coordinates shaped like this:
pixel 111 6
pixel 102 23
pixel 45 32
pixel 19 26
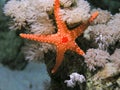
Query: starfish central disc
pixel 64 39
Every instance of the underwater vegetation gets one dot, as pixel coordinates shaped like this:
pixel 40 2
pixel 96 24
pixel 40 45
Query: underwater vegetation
pixel 97 67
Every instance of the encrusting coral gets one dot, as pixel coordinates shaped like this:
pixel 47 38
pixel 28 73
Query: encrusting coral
pixel 105 79
pixel 64 39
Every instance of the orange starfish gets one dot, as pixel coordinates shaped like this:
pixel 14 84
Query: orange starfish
pixel 64 39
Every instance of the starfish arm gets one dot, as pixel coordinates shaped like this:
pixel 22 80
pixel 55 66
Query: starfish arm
pixel 79 30
pixel 60 23
pixel 59 58
pixel 77 49
pixel 39 38
pixel 93 16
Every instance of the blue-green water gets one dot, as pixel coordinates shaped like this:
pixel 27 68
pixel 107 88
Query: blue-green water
pixel 31 78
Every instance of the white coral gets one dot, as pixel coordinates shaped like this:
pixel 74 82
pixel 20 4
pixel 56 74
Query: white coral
pixel 75 78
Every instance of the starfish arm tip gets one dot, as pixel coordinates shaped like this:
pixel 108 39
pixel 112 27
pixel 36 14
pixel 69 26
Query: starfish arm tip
pixel 79 51
pixel 22 35
pixel 53 71
pixel 93 16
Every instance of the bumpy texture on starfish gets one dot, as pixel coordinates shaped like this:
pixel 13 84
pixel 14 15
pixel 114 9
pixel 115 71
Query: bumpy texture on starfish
pixel 64 39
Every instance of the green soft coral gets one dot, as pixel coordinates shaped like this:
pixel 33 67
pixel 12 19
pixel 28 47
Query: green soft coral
pixel 10 53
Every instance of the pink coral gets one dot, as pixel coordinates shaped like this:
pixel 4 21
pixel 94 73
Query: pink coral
pixel 96 58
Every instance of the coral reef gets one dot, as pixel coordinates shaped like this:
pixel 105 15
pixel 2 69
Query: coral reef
pixel 101 42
